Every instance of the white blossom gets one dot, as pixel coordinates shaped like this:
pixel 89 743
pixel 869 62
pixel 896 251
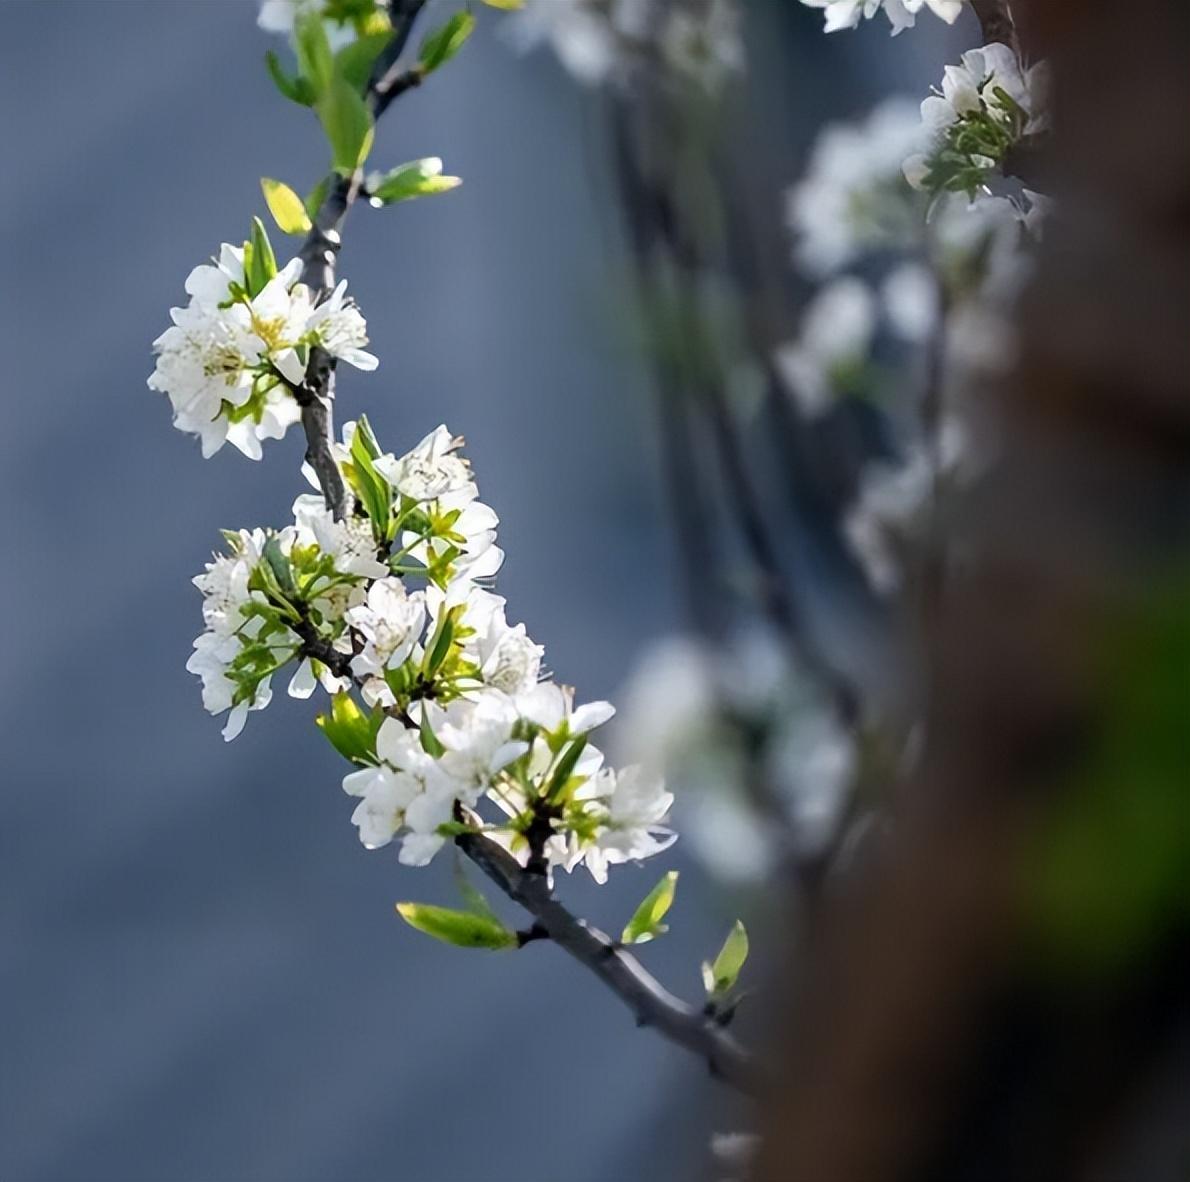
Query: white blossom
pixel 226 598
pixel 349 542
pixel 430 470
pixel 551 707
pixel 988 84
pixel 407 792
pixel 337 327
pixel 477 735
pixel 902 14
pixel 631 808
pixel 854 197
pixel 508 659
pixel 598 41
pixel 892 498
pixel 228 360
pixel 704 43
pixel 279 16
pixel 390 622
pixel 836 336
pixel 910 295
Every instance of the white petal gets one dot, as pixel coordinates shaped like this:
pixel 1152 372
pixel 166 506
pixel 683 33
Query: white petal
pixel 303 682
pixel 235 722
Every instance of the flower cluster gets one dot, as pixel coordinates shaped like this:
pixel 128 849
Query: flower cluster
pixel 740 725
pixel 919 199
pixel 987 104
pixel 598 41
pixel 902 14
pixel 454 718
pixel 854 198
pixel 232 358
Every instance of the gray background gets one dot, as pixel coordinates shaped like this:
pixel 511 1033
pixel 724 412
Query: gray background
pixel 201 976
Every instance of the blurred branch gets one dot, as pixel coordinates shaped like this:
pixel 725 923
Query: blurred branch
pixel 997 994
pixel 995 17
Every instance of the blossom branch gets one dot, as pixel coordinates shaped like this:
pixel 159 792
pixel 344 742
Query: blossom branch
pixel 319 254
pixel 652 1004
pixel 699 1030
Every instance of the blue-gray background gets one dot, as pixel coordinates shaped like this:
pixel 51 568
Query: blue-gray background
pixel 201 976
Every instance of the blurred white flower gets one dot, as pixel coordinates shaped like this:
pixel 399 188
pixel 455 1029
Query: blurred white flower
pixel 854 198
pixel 836 336
pixel 902 14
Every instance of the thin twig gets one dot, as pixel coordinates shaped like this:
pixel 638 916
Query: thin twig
pixel 995 16
pixel 651 1003
pixel 319 255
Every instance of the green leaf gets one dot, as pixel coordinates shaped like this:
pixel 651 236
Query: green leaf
pixel 418 178
pixel 348 125
pixel 260 264
pixel 444 42
pixel 720 977
pixel 565 768
pixel 317 196
pixel 429 741
pixel 355 60
pixel 464 929
pixel 297 90
pixel 367 437
pixel 373 490
pixel 350 731
pixel 645 923
pixel 505 5
pixel 286 206
pixel 315 59
pixel 280 566
pixel 441 647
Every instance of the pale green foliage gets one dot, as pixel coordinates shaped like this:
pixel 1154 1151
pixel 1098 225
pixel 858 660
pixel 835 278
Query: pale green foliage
pixel 645 924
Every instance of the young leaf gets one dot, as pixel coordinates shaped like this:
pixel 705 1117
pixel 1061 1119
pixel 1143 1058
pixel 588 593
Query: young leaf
pixel 429 741
pixel 505 5
pixel 350 731
pixel 464 929
pixel 645 923
pixel 260 264
pixel 444 42
pixel 286 206
pixel 280 566
pixel 720 977
pixel 373 490
pixel 348 125
pixel 565 768
pixel 317 196
pixel 355 60
pixel 297 90
pixel 315 59
pixel 418 178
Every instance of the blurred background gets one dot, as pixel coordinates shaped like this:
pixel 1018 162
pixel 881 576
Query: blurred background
pixel 202 976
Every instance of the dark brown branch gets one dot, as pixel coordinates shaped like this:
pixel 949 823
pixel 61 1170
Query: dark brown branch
pixel 319 255
pixel 995 17
pixel 649 1001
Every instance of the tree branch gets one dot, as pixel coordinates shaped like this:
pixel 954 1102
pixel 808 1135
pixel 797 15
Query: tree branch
pixel 319 254
pixel 995 16
pixel 651 1003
